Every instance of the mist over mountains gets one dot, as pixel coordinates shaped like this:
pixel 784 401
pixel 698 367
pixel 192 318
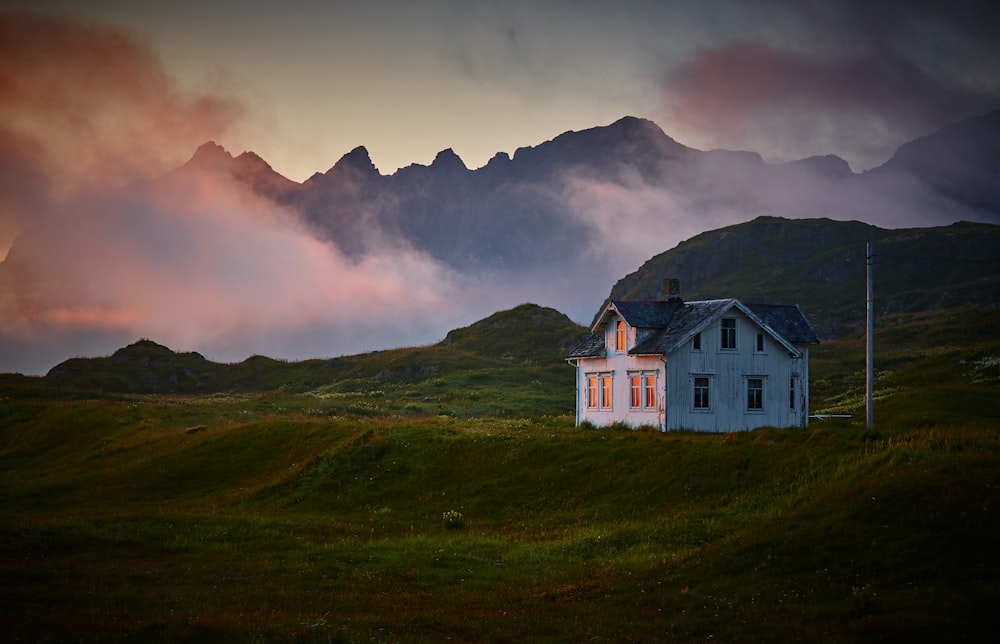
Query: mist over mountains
pixel 619 193
pixel 227 257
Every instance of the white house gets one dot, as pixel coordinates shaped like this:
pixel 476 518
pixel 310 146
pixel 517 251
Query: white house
pixel 710 366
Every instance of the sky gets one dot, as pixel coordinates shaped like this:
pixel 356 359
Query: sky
pixel 97 97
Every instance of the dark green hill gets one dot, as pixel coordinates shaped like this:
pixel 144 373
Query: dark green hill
pixel 528 336
pixel 527 333
pixel 820 265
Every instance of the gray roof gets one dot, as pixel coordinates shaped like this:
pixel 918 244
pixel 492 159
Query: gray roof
pixel 674 322
pixel 590 347
pixel 788 320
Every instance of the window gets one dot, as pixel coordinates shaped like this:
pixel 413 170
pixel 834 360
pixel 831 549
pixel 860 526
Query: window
pixel 599 390
pixel 728 339
pixel 643 390
pixel 701 392
pixel 755 393
pixel 760 343
pixel 606 392
pixel 696 342
pixel 791 393
pixel 621 336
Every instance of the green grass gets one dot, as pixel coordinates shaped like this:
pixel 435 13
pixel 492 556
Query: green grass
pixel 317 514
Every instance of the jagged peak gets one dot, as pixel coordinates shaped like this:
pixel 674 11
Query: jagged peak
pixel 638 124
pixel 210 155
pixel 357 159
pixel 448 159
pixel 499 157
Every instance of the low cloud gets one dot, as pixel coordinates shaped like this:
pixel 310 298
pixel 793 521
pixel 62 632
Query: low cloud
pixel 104 249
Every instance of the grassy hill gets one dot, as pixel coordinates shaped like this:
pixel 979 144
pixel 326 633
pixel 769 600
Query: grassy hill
pixel 443 492
pixel 320 513
pixel 508 353
pixel 820 265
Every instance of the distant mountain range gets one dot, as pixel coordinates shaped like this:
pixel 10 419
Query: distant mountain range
pixel 552 204
pixel 557 224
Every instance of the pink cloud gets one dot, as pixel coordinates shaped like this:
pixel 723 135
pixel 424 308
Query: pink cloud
pixel 87 102
pixel 792 103
pixel 106 251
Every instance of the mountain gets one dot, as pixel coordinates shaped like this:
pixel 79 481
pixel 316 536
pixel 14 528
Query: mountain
pixel 820 264
pixel 247 169
pixel 555 223
pixel 551 205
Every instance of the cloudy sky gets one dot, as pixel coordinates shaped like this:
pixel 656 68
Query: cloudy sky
pixel 98 95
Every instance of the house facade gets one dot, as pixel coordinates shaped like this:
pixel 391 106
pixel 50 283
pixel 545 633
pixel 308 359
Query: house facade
pixel 710 366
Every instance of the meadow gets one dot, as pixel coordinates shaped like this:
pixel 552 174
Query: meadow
pixel 461 503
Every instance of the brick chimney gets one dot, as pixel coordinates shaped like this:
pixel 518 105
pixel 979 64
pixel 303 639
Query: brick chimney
pixel 671 290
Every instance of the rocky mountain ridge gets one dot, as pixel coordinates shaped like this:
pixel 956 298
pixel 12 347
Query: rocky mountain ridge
pixel 530 209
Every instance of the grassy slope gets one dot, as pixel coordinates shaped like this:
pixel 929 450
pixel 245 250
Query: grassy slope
pixel 318 514
pixel 820 265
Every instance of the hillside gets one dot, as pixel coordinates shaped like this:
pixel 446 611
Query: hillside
pixel 331 514
pixel 820 265
pixel 527 337
pixel 443 492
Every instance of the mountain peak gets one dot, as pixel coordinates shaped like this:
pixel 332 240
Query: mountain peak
pixel 448 159
pixel 210 156
pixel 357 159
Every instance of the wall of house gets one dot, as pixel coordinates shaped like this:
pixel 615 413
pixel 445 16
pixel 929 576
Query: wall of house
pixel 620 367
pixel 728 371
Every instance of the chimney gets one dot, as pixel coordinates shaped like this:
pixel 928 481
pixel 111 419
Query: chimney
pixel 671 290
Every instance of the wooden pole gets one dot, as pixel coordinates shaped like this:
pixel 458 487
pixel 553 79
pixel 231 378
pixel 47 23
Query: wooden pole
pixel 869 349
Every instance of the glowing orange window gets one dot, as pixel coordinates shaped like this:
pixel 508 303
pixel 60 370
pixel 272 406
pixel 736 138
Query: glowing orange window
pixel 650 391
pixel 636 392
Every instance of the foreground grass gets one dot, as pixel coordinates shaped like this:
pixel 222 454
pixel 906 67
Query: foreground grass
pixel 318 515
pixel 123 519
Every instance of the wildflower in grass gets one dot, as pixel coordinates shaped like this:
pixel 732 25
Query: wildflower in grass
pixel 453 519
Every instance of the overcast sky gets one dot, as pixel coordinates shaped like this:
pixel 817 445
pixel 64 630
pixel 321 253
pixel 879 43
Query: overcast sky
pixel 406 79
pixel 96 96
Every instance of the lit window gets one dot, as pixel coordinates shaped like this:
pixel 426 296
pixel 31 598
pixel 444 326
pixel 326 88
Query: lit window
pixel 728 333
pixel 621 339
pixel 606 392
pixel 755 393
pixel 592 391
pixel 651 392
pixel 701 392
pixel 636 382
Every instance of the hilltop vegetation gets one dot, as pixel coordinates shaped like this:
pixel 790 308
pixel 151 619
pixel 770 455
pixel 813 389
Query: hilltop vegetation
pixel 820 265
pixel 507 351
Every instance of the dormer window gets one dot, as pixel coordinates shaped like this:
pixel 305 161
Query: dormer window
pixel 621 336
pixel 728 339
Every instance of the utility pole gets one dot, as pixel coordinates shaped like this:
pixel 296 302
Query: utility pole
pixel 869 349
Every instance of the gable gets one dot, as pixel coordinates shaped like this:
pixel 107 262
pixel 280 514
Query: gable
pixel 667 325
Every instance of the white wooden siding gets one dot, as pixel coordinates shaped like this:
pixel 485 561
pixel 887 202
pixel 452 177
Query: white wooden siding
pixel 727 369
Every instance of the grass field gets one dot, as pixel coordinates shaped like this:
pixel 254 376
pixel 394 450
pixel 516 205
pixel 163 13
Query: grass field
pixel 465 505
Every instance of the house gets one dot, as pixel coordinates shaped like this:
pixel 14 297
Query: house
pixel 709 366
